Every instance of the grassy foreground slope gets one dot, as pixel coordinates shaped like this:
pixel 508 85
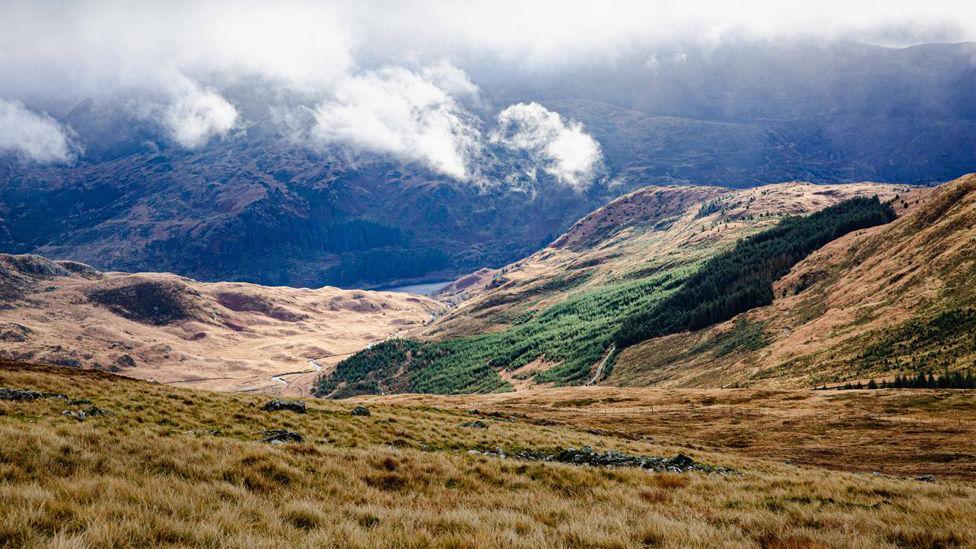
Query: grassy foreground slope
pixel 557 316
pixel 169 466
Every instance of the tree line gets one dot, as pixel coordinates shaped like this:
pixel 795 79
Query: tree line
pixel 742 278
pixel 921 380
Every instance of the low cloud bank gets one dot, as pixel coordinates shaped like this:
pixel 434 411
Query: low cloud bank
pixel 408 115
pixel 559 147
pixel 196 115
pixel 32 135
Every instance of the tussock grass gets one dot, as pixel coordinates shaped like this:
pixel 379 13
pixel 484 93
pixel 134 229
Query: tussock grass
pixel 178 467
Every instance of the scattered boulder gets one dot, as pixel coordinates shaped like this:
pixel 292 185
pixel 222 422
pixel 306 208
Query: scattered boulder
pixel 281 436
pixel 277 404
pixel 476 424
pixel 126 361
pixel 19 394
pixel 26 394
pixel 610 458
pixel 681 461
pixel 81 415
pixel 360 411
pixel 926 478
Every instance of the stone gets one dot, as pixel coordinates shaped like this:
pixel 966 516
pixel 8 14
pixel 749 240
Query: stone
pixel 360 411
pixel 681 461
pixel 81 415
pixel 19 394
pixel 476 424
pixel 281 436
pixel 26 394
pixel 278 404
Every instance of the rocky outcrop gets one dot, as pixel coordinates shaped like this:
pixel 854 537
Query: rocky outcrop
pixel 610 458
pixel 281 436
pixel 360 411
pixel 278 404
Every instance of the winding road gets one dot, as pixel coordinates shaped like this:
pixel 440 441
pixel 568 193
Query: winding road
pixel 599 369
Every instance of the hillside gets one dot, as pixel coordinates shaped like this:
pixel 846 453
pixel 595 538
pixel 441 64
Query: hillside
pixel 170 329
pixel 896 299
pixel 555 317
pixel 150 465
pixel 265 211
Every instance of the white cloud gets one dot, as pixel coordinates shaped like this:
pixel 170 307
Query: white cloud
pixel 406 115
pixel 34 135
pixel 196 115
pixel 560 148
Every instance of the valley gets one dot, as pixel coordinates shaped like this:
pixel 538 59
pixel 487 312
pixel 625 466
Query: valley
pixel 174 330
pixel 553 430
pixel 546 274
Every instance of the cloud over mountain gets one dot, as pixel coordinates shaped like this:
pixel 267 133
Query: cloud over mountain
pixel 196 115
pixel 34 135
pixel 560 148
pixel 405 114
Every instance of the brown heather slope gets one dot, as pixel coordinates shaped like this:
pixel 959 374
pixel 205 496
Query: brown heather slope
pixel 169 466
pixel 904 432
pixel 166 328
pixel 894 299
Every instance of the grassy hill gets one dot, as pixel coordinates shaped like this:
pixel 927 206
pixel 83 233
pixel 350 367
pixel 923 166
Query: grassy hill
pixel 625 273
pixel 178 467
pixel 893 300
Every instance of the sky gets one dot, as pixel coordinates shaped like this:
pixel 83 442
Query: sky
pixel 390 77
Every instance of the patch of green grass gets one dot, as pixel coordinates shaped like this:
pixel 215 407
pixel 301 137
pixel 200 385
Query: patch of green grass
pixel 574 334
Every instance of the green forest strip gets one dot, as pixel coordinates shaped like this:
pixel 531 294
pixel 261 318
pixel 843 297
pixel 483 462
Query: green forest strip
pixel 742 278
pixel 575 333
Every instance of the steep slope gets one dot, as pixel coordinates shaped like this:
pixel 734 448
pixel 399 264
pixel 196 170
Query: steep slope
pixel 225 336
pixel 554 317
pixel 896 299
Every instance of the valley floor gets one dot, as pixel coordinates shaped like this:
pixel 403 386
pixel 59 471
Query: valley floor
pixel 172 466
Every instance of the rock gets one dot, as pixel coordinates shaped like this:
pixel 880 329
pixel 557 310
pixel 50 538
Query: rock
pixel 926 478
pixel 81 415
pixel 26 394
pixel 277 404
pixel 19 394
pixel 360 411
pixel 281 436
pixel 610 458
pixel 681 461
pixel 476 424
pixel 126 361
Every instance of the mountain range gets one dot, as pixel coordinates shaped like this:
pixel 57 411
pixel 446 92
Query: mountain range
pixel 260 206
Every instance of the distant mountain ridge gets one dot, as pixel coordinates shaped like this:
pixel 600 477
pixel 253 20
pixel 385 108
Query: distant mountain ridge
pixel 258 206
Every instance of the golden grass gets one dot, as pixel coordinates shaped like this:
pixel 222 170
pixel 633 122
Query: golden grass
pixel 906 432
pixel 180 467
